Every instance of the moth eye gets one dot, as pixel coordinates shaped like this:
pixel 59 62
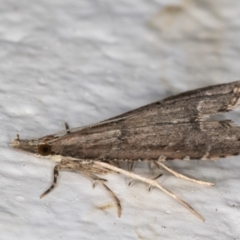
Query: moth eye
pixel 44 149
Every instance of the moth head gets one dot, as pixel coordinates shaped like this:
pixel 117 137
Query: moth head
pixel 32 146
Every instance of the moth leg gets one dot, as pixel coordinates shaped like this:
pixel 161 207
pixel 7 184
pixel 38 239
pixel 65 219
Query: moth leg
pixel 151 182
pixel 179 175
pixel 55 176
pixel 152 165
pixel 130 167
pixel 114 163
pixel 97 179
pixel 113 195
pixel 89 170
pixel 155 178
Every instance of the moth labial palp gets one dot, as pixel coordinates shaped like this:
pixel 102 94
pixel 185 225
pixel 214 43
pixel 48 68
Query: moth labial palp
pixel 174 128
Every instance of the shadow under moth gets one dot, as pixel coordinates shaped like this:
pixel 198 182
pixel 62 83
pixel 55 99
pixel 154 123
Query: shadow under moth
pixel 173 128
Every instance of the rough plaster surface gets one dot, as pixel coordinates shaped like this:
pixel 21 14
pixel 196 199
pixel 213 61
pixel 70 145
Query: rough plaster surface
pixel 85 61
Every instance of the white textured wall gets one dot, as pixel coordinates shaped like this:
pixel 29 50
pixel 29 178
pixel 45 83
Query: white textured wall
pixel 85 61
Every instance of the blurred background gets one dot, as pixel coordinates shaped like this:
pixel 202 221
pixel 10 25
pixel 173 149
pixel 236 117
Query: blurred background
pixel 86 61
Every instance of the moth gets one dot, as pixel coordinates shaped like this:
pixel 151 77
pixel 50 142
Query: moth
pixel 177 127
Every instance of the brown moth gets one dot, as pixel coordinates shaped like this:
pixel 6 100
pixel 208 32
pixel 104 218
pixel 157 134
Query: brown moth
pixel 173 128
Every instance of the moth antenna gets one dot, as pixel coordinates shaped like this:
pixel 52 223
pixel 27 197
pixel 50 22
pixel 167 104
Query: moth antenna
pixel 67 127
pixel 59 134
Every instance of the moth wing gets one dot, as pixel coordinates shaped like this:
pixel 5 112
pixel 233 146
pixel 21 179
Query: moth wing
pixel 190 106
pixel 198 140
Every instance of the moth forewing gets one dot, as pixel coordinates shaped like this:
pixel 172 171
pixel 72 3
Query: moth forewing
pixel 173 128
